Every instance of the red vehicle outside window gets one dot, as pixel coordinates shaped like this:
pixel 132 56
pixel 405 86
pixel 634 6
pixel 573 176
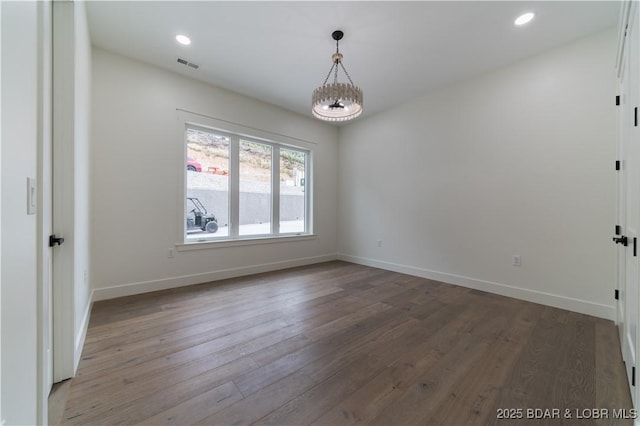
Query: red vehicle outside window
pixel 193 165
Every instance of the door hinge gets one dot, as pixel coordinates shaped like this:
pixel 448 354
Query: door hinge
pixel 635 117
pixel 635 247
pixel 616 294
pixel 617 100
pixel 633 376
pixel 618 229
pixel 617 164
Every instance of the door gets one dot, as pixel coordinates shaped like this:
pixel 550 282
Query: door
pixel 44 211
pixel 629 200
pixel 63 172
pixel 632 167
pixel 621 208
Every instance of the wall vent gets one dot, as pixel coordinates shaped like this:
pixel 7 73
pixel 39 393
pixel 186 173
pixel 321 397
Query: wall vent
pixel 187 63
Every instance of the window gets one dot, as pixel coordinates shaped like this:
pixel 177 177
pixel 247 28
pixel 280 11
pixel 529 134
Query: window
pixel 207 201
pixel 243 187
pixel 292 184
pixel 255 188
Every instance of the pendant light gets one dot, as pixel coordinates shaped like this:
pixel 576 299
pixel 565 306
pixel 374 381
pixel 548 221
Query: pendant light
pixel 337 101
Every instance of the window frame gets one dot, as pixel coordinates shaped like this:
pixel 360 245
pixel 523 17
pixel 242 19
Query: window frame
pixel 237 133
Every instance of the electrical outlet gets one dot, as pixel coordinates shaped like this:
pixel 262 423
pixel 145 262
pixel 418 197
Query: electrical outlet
pixel 172 253
pixel 378 243
pixel 516 260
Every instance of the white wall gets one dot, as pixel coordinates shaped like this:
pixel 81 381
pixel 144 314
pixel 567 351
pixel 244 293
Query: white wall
pixel 516 161
pixel 136 169
pixel 19 157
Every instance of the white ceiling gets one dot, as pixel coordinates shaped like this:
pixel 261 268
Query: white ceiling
pixel 279 52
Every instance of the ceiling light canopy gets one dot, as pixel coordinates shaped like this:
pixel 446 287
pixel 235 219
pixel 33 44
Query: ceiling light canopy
pixel 337 101
pixel 524 18
pixel 183 39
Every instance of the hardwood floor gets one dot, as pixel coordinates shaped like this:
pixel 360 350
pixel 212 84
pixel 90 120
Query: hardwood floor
pixel 338 343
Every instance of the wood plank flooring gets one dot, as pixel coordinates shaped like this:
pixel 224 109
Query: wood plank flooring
pixel 340 344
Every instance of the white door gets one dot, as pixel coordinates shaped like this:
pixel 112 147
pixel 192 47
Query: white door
pixel 629 200
pixel 621 255
pixel 63 188
pixel 632 159
pixel 44 201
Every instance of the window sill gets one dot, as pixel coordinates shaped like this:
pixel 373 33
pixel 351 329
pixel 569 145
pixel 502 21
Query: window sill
pixel 205 245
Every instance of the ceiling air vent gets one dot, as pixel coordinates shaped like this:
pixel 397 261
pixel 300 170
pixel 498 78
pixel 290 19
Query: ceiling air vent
pixel 187 63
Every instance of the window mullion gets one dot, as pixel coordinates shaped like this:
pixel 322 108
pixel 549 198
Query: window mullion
pixel 234 186
pixel 275 191
pixel 308 189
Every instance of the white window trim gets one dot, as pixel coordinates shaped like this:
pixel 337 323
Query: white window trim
pixel 237 132
pixel 273 239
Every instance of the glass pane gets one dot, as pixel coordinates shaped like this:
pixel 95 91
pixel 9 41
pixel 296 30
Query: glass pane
pixel 255 188
pixel 207 203
pixel 292 191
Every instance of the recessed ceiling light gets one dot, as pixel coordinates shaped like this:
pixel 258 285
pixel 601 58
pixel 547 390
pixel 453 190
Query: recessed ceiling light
pixel 523 19
pixel 183 39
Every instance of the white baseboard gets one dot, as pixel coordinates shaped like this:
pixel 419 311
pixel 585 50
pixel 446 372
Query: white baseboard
pixel 554 300
pixel 185 280
pixel 82 335
pixel 576 305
